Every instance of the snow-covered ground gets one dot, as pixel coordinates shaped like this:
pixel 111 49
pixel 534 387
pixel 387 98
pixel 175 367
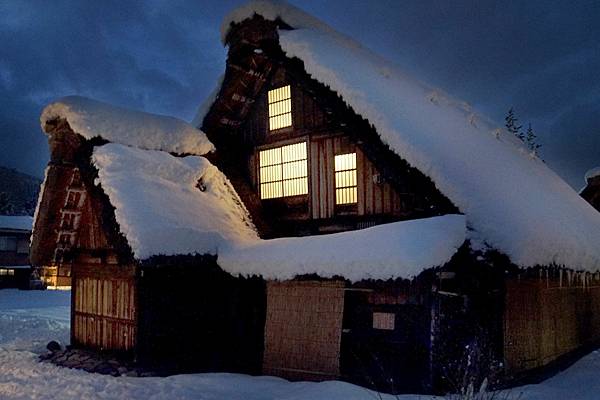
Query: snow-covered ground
pixel 29 319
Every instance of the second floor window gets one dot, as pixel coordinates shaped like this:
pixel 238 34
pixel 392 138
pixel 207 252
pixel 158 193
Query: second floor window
pixel 280 108
pixel 283 171
pixel 345 179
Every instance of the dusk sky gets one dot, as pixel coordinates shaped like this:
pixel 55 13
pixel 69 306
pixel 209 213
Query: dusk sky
pixel 165 56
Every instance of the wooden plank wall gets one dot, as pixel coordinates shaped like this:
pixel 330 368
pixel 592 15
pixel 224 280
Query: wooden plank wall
pixel 104 309
pixel 303 329
pixel 548 317
pixel 373 198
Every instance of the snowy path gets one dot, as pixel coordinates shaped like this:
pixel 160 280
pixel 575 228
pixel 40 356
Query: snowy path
pixel 28 320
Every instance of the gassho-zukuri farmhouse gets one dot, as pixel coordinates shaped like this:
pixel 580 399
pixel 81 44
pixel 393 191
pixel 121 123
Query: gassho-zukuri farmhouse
pixel 325 216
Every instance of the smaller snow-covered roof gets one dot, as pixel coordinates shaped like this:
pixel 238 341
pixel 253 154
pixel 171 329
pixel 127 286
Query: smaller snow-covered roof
pixel 91 118
pixel 396 250
pixel 22 223
pixel 160 208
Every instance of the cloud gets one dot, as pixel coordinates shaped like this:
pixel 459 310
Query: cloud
pixel 164 56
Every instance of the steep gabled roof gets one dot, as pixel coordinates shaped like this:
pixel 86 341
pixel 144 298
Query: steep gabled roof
pixel 512 201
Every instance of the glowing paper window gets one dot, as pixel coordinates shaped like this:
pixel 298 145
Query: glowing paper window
pixel 280 108
pixel 345 178
pixel 283 171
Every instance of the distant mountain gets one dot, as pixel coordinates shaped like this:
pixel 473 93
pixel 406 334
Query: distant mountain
pixel 18 192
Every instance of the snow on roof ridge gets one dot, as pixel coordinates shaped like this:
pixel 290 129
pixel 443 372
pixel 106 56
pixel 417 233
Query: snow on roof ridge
pixel 92 118
pixel 272 10
pixel 512 201
pixel 592 173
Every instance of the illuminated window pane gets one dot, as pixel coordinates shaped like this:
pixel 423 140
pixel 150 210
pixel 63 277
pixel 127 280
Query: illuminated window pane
pixel 345 179
pixel 283 171
pixel 280 108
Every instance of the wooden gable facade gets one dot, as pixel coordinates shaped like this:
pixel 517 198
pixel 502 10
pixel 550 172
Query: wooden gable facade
pixel 386 188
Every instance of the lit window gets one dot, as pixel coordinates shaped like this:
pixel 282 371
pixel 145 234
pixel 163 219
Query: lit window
pixel 384 321
pixel 280 108
pixel 11 272
pixel 283 171
pixel 345 178
pixel 3 271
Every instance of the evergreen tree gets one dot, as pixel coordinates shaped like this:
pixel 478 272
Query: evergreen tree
pixel 531 140
pixel 512 125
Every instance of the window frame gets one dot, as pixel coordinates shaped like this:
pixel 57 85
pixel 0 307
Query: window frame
pixel 282 179
pixel 337 171
pixel 6 241
pixel 283 102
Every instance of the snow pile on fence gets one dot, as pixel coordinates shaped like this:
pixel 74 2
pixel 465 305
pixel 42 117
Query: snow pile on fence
pixel 22 223
pixel 388 251
pixel 160 207
pixel 91 118
pixel 513 202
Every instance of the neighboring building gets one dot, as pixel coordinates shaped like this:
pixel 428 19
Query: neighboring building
pixel 591 191
pixel 15 269
pixel 349 222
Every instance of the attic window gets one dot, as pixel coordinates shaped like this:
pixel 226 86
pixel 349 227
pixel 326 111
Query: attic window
pixel 283 171
pixel 345 178
pixel 280 108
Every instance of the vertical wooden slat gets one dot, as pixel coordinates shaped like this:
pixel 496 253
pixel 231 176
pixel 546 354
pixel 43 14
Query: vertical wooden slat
pixel 329 171
pixel 360 184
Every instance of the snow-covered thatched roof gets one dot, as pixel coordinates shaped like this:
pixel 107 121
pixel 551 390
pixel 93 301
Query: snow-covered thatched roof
pixel 169 205
pixel 19 223
pixel 91 118
pixel 161 209
pixel 512 201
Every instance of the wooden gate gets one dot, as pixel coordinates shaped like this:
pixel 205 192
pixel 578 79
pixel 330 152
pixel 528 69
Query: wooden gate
pixel 104 307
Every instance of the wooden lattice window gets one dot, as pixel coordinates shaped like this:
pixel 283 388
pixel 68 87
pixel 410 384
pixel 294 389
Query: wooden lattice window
pixel 384 321
pixel 280 108
pixel 283 171
pixel 345 179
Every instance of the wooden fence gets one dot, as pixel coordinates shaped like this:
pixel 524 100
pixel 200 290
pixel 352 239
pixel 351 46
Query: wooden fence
pixel 104 308
pixel 548 317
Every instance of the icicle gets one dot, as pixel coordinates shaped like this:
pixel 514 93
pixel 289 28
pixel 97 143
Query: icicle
pixel 560 278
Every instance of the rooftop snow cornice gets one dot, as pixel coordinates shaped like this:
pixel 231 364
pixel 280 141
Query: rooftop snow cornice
pixel 93 119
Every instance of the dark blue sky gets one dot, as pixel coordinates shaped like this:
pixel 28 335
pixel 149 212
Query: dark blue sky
pixel 542 57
